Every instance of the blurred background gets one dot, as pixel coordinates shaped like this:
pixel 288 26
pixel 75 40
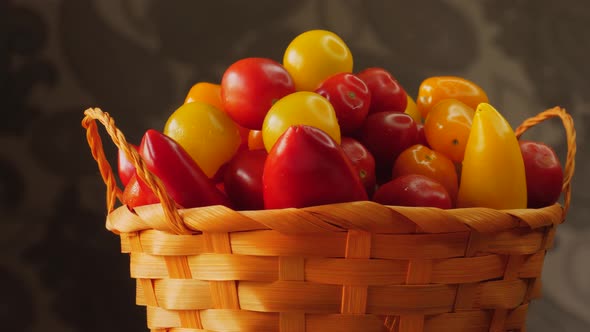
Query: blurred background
pixel 60 270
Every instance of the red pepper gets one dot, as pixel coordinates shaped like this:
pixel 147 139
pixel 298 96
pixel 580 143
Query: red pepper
pixel 125 167
pixel 183 179
pixel 307 167
pixel 138 194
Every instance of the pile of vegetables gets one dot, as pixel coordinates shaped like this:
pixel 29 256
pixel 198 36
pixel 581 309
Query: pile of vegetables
pixel 315 130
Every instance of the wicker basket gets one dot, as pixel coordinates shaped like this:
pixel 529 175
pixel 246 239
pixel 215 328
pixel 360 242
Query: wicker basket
pixel 359 266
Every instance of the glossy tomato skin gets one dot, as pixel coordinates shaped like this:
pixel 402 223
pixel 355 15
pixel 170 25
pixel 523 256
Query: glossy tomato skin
pixel 419 159
pixel 350 97
pixel 363 161
pixel 387 95
pixel 125 167
pixel 544 173
pixel 447 128
pixel 210 93
pixel 243 179
pixel 250 86
pixel 208 134
pixel 386 135
pixel 413 190
pixel 315 55
pixel 437 88
pixel 300 108
pixel 306 167
pixel 205 92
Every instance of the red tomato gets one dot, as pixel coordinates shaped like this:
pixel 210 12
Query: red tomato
pixel 413 190
pixel 243 179
pixel 419 159
pixel 386 135
pixel 350 97
pixel 387 94
pixel 362 160
pixel 544 174
pixel 250 86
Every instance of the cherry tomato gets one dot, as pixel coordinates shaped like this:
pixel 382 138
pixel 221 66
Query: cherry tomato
pixel 363 161
pixel 387 95
pixel 544 173
pixel 315 55
pixel 255 141
pixel 243 179
pixel 434 89
pixel 350 97
pixel 386 135
pixel 250 86
pixel 447 128
pixel 211 94
pixel 413 190
pixel 209 135
pixel 412 110
pixel 206 92
pixel 300 108
pixel 419 159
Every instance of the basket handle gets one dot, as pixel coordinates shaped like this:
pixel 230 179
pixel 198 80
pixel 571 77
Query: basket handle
pixel 92 115
pixel 570 132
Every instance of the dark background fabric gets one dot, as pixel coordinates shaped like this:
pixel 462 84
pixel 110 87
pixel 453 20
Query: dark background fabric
pixel 60 270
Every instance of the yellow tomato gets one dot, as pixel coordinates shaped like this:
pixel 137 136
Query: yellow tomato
pixel 206 92
pixel 299 108
pixel 208 134
pixel 412 110
pixel 314 56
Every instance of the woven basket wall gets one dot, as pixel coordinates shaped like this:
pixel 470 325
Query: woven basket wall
pixel 358 266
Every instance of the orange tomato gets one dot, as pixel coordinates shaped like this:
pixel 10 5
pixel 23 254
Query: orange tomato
pixel 255 141
pixel 437 88
pixel 447 128
pixel 419 159
pixel 205 92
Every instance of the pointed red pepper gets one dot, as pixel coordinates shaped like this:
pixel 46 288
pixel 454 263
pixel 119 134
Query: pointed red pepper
pixel 183 179
pixel 137 194
pixel 125 167
pixel 307 167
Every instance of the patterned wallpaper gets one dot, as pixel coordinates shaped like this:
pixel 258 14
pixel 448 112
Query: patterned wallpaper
pixel 60 270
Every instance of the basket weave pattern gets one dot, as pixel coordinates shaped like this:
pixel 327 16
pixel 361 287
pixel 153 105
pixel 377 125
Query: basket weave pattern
pixel 357 266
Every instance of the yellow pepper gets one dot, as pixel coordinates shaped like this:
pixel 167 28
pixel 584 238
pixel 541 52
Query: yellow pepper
pixel 493 173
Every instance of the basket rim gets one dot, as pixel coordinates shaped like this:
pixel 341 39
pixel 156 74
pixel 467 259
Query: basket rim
pixel 339 217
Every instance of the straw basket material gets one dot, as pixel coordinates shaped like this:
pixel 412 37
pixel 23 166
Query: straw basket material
pixel 355 267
